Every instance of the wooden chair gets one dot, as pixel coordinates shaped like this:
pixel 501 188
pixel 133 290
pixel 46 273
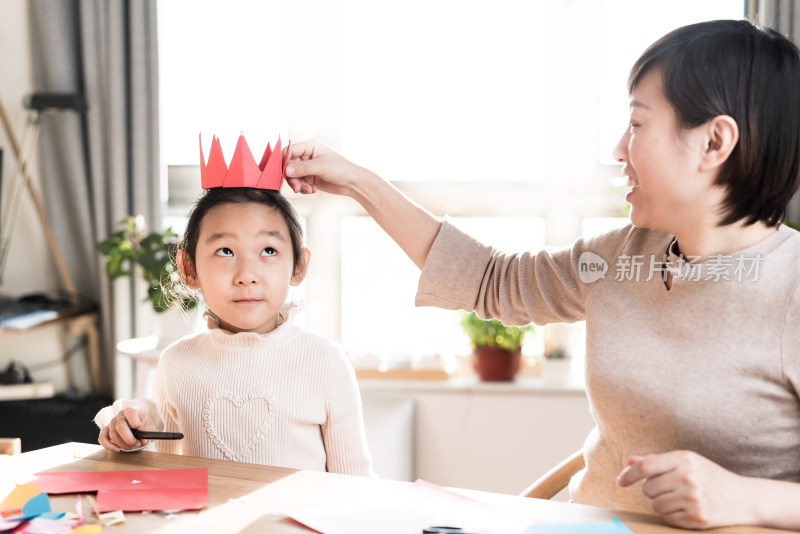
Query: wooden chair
pixel 557 478
pixel 10 446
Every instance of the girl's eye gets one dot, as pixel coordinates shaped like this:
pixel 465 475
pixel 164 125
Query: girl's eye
pixel 634 125
pixel 224 251
pixel 269 251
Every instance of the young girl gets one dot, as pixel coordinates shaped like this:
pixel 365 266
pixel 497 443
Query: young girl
pixel 253 388
pixel 693 343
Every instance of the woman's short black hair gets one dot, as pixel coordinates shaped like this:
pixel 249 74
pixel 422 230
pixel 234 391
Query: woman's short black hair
pixel 752 74
pixel 240 195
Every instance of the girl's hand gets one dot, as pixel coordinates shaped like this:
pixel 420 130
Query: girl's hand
pixel 117 433
pixel 313 166
pixel 691 491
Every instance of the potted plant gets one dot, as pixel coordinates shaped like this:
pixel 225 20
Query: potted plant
pixel 152 254
pixel 496 348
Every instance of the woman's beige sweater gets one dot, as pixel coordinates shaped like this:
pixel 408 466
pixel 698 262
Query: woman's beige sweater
pixel 711 365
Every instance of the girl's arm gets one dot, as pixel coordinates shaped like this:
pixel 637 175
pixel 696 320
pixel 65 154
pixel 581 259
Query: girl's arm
pixel 313 166
pixel 116 421
pixel 166 410
pixel 343 433
pixel 691 491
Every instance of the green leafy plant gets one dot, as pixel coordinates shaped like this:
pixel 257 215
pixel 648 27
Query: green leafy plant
pixel 493 333
pixel 152 254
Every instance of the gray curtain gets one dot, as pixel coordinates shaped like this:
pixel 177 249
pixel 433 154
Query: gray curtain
pixel 783 16
pixel 98 166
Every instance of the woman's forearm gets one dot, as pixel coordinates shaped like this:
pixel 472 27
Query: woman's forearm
pixel 410 225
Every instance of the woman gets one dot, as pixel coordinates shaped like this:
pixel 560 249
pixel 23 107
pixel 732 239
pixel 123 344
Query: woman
pixel 693 344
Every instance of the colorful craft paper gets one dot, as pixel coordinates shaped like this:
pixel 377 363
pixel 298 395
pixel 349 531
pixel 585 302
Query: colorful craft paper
pixel 18 497
pixel 23 504
pixel 7 524
pixel 41 524
pixel 26 510
pixel 134 491
pixel 36 506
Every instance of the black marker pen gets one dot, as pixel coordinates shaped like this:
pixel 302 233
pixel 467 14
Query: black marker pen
pixel 146 434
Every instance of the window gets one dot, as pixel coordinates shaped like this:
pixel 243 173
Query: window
pixel 593 226
pixel 502 115
pixel 379 282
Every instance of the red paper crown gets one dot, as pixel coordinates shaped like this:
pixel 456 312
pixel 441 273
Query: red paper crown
pixel 243 171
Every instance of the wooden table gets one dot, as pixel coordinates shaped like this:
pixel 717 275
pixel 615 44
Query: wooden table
pixel 267 494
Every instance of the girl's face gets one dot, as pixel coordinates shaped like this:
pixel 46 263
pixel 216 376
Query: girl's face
pixel 244 265
pixel 662 163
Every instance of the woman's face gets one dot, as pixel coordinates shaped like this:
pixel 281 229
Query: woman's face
pixel 662 163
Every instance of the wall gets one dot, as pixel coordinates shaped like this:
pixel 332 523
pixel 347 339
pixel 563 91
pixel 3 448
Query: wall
pixel 464 433
pixel 29 267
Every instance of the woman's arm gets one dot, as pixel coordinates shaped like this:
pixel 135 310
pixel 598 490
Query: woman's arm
pixel 313 166
pixel 691 491
pixel 459 272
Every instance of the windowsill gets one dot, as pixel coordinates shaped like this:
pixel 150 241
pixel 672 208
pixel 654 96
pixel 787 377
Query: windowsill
pixel 471 384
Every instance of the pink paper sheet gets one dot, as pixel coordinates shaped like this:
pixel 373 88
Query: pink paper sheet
pixel 133 491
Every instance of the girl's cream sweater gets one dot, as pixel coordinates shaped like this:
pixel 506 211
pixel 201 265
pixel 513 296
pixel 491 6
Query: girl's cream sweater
pixel 287 398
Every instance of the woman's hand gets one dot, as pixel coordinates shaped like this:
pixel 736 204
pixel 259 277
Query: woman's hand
pixel 312 166
pixel 117 433
pixel 691 491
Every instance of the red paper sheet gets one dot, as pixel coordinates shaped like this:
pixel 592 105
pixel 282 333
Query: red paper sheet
pixel 133 491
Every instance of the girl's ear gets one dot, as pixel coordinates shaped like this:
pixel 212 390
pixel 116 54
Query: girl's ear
pixel 722 134
pixel 187 271
pixel 301 269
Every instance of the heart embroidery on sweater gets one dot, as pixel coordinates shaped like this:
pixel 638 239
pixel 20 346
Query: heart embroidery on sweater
pixel 236 423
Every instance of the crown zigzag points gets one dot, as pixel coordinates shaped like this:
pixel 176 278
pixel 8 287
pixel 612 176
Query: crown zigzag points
pixel 243 170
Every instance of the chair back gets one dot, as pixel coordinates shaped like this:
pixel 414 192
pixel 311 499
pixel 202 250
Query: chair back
pixel 557 478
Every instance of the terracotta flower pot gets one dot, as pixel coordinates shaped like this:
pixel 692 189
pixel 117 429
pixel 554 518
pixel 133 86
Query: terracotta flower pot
pixel 494 364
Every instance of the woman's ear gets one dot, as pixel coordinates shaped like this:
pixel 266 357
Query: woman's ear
pixel 187 270
pixel 722 134
pixel 301 269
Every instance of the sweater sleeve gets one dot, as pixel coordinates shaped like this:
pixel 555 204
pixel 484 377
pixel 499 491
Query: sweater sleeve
pixel 540 287
pixel 161 398
pixel 343 433
pixel 105 415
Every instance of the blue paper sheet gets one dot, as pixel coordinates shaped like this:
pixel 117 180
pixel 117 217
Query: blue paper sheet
pixel 614 526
